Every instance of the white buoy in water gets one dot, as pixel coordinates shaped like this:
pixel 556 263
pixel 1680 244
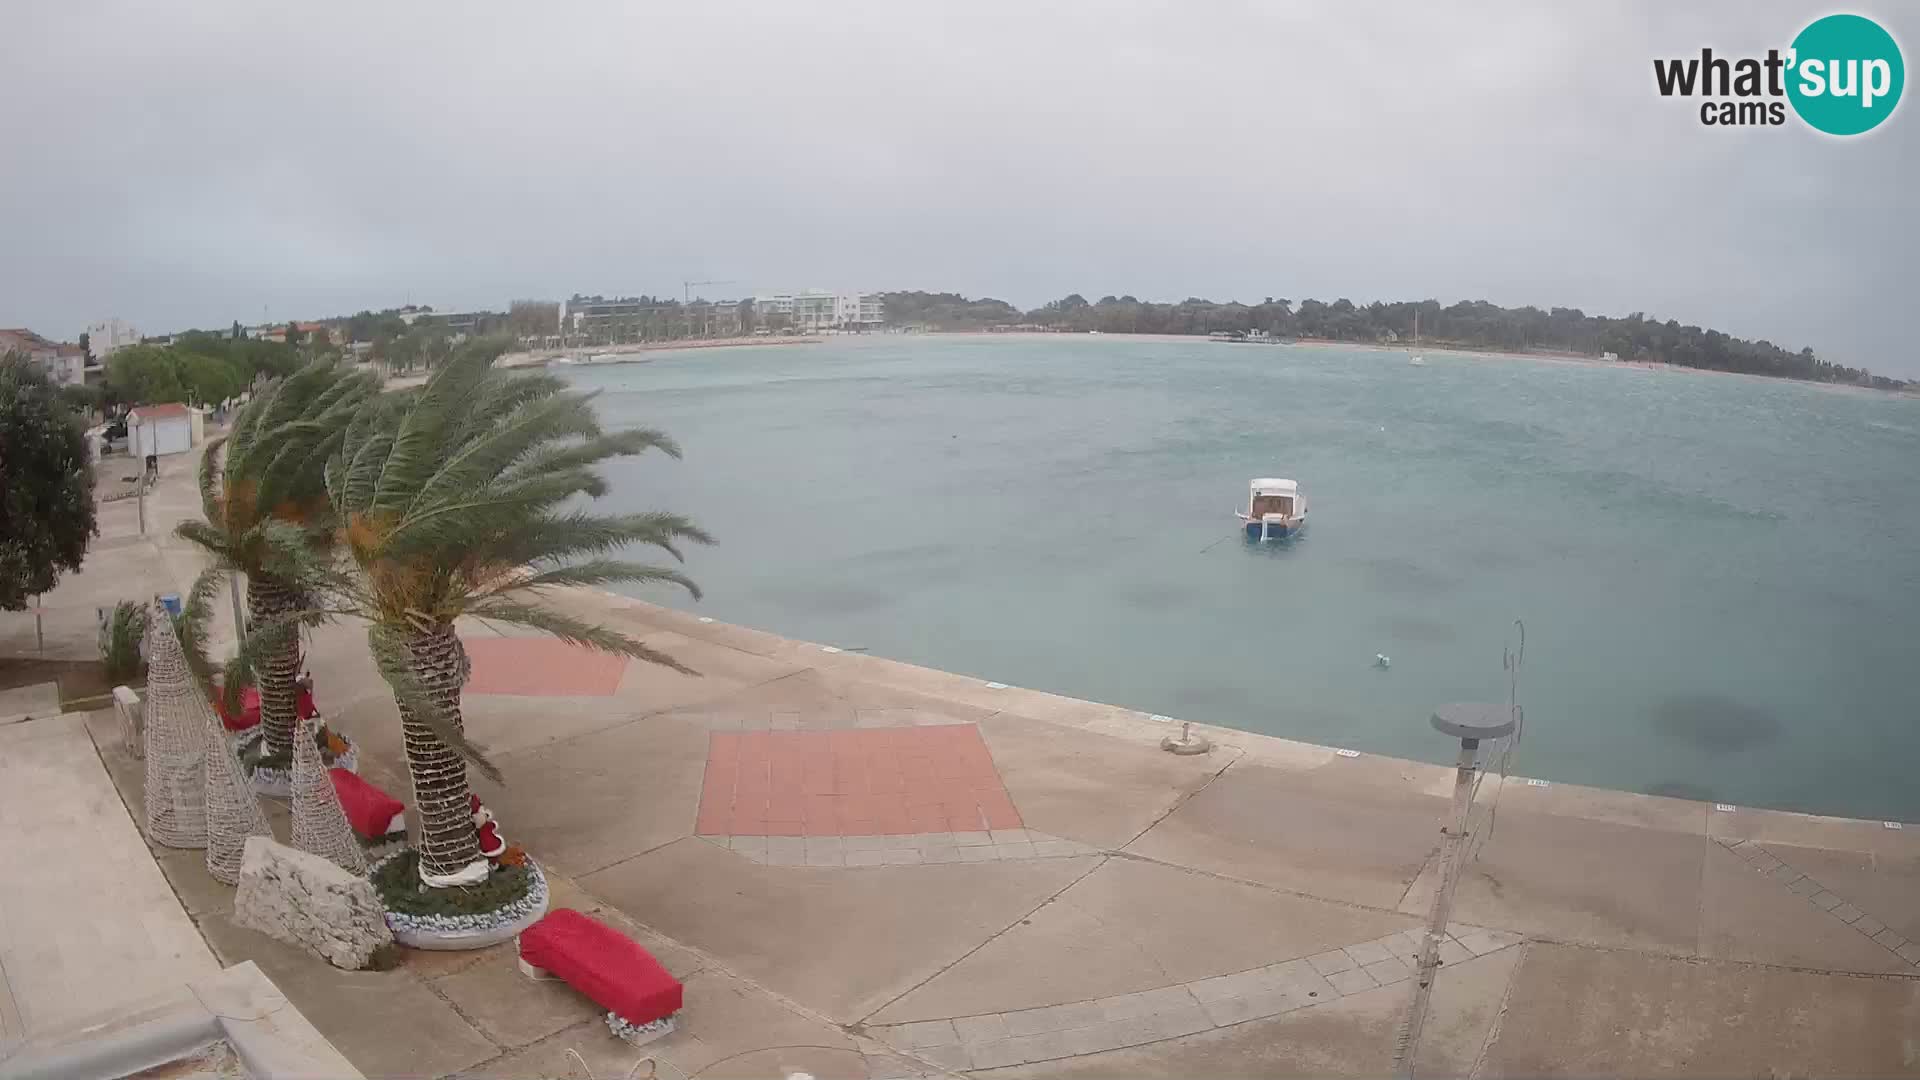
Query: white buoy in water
pixel 1380 660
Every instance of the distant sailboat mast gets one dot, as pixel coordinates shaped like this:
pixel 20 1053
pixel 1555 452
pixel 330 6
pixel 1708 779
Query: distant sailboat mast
pixel 1416 358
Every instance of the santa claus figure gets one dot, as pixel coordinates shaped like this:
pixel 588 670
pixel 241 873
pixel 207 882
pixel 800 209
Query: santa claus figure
pixel 491 844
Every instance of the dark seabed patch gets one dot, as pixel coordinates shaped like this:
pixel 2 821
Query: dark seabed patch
pixel 1414 628
pixel 1714 723
pixel 1680 789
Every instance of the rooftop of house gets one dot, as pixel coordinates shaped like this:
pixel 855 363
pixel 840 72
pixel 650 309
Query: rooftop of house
pixel 164 411
pixel 27 341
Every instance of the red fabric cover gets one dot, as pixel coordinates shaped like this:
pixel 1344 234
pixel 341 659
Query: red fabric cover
pixel 602 963
pixel 249 710
pixel 308 710
pixel 369 810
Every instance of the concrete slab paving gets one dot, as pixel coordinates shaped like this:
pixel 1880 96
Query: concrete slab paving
pixel 386 1023
pixel 512 1009
pixel 1131 926
pixel 1814 831
pixel 789 698
pixel 1746 916
pixel 1352 1036
pixel 1579 879
pixel 588 802
pixel 1306 831
pixel 87 920
pixel 1577 1011
pixel 34 700
pixel 1598 804
pixel 1098 791
pixel 727 1025
pixel 837 941
pixel 1885 885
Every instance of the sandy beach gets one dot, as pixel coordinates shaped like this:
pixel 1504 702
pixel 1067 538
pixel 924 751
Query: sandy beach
pixel 638 352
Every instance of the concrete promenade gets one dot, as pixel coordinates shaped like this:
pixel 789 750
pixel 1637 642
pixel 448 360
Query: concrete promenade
pixel 862 868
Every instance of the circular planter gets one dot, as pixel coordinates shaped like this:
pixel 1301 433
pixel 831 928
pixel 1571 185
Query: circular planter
pixel 446 933
pixel 277 783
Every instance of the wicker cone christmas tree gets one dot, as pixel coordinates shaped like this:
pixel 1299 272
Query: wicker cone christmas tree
pixel 233 814
pixel 177 716
pixel 319 824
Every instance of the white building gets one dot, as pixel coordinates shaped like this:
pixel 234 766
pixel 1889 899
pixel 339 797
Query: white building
pixel 162 429
pixel 63 363
pixel 104 337
pixel 817 309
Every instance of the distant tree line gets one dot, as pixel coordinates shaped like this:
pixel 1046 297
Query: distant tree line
pixel 1474 324
pixel 199 367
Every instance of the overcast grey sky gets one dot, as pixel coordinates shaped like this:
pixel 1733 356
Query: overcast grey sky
pixel 194 163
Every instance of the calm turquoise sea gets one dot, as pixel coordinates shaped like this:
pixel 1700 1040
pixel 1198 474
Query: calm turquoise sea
pixel 1719 576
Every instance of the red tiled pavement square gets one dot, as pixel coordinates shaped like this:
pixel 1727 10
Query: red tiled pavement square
pixel 541 667
pixel 852 782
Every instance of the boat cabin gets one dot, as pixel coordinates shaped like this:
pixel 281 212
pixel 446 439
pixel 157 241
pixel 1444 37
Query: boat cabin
pixel 1275 508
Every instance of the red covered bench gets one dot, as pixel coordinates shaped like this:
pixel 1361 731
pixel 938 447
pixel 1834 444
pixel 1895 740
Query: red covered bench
pixel 373 813
pixel 640 996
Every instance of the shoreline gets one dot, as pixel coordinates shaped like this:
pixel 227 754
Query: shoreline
pixel 632 353
pixel 1577 359
pixel 1135 726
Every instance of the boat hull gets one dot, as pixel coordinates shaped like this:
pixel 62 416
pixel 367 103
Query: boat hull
pixel 1274 532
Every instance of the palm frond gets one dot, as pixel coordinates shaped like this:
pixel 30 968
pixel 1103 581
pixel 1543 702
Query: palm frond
pixel 501 396
pixel 422 432
pixel 195 623
pixel 361 477
pixel 559 537
pixel 598 572
pixel 395 662
pixel 576 631
pixel 592 452
pixel 246 425
pixel 485 457
pixel 209 537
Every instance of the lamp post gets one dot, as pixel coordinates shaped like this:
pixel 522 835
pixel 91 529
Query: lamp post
pixel 1472 724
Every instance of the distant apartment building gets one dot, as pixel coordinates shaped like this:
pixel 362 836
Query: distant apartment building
pixel 815 309
pixel 103 338
pixel 64 364
pixel 597 316
pixel 305 330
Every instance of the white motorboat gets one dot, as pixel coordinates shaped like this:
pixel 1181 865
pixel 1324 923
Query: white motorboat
pixel 1275 509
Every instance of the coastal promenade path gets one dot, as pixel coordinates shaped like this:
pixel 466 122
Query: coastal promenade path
pixel 862 868
pixel 865 868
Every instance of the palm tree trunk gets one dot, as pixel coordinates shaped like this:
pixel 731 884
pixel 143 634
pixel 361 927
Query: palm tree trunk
pixel 268 598
pixel 447 841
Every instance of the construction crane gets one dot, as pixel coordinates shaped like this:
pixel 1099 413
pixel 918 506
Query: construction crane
pixel 686 287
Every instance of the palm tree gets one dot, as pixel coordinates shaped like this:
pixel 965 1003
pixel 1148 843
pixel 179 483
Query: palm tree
pixel 265 501
pixel 451 502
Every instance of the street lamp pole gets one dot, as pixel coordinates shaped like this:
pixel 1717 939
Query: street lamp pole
pixel 1472 724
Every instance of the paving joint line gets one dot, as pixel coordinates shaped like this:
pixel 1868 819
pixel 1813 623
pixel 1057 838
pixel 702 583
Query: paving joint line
pixel 636 855
pixel 1499 1016
pixel 990 939
pixel 1824 900
pixel 654 715
pixel 1188 797
pixel 1097 1025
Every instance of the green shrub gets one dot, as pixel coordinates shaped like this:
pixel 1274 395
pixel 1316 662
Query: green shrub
pixel 120 638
